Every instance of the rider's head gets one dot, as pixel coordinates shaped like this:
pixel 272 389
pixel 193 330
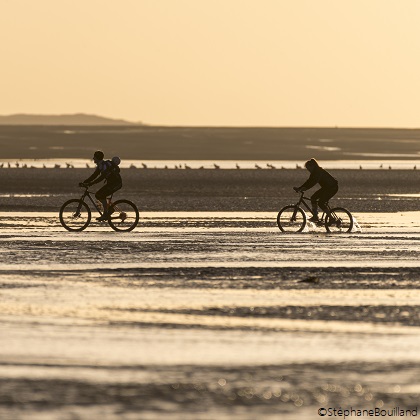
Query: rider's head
pixel 98 156
pixel 311 165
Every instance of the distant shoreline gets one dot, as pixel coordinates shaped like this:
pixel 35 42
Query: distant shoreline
pixel 261 165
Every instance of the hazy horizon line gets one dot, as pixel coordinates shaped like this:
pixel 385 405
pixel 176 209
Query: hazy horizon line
pixel 140 123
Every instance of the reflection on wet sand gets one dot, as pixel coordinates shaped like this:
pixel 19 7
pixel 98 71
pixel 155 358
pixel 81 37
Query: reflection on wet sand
pixel 207 315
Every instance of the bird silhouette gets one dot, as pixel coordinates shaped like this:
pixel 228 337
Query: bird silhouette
pixel 216 166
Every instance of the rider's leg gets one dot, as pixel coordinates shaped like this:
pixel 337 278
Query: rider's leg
pixel 105 192
pixel 325 194
pixel 314 200
pixel 112 189
pixel 101 195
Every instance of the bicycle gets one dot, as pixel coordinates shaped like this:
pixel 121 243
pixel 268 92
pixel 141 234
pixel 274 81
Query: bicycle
pixel 75 214
pixel 292 218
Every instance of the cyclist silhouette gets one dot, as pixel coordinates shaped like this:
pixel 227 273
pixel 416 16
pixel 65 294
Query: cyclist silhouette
pixel 329 187
pixel 110 172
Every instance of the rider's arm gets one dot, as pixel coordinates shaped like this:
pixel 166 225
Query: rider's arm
pixel 312 180
pixel 102 177
pixel 92 177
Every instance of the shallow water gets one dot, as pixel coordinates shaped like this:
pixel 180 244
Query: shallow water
pixel 376 161
pixel 207 315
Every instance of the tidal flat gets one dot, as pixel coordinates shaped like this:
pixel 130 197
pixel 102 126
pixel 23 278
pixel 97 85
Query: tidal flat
pixel 207 314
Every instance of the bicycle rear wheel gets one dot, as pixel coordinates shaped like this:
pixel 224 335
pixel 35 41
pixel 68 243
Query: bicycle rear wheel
pixel 124 216
pixel 339 220
pixel 75 215
pixel 291 219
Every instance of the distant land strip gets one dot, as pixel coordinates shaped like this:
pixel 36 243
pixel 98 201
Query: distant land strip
pixel 65 119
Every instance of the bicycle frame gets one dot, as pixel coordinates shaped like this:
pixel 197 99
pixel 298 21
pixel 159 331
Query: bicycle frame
pixel 294 217
pixel 88 194
pixel 303 203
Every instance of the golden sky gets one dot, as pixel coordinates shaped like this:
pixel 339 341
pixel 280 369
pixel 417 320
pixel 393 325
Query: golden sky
pixel 214 62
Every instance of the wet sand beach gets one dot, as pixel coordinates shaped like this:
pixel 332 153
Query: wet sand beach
pixel 206 310
pixel 37 189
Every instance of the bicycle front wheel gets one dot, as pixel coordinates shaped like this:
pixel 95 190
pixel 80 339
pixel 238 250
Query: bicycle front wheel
pixel 124 216
pixel 291 219
pixel 339 220
pixel 75 215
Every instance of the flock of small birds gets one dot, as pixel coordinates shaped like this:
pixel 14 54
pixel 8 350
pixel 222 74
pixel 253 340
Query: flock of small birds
pixel 215 166
pixel 24 165
pixel 144 166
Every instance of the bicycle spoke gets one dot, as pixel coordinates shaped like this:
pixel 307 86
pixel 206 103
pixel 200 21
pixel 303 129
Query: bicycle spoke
pixel 291 219
pixel 75 215
pixel 340 220
pixel 124 216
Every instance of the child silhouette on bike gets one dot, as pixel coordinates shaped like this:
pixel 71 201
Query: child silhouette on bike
pixel 110 172
pixel 329 187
